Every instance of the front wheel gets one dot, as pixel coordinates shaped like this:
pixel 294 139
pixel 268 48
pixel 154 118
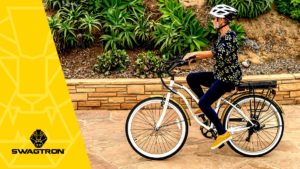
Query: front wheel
pixel 262 138
pixel 151 143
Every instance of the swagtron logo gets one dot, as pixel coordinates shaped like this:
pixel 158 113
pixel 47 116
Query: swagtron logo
pixel 38 139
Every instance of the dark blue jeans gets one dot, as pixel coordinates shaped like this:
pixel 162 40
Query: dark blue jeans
pixel 216 89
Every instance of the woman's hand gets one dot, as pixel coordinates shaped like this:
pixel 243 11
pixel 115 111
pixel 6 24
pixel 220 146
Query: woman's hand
pixel 188 55
pixel 198 55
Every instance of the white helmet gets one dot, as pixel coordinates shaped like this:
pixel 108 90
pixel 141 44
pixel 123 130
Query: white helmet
pixel 223 11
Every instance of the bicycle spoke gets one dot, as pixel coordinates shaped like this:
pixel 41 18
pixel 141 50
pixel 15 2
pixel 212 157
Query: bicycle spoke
pixel 272 127
pixel 163 140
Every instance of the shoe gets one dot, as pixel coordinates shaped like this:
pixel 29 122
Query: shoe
pixel 221 139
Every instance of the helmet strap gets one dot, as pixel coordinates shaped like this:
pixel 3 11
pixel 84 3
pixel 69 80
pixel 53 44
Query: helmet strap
pixel 219 28
pixel 222 27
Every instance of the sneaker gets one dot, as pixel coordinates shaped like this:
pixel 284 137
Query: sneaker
pixel 221 139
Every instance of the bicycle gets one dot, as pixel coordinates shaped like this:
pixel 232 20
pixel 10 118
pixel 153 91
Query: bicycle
pixel 157 127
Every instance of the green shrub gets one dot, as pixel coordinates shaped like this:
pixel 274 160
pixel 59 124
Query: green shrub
pixel 93 6
pixel 295 14
pixel 72 26
pixel 124 5
pixel 72 12
pixel 119 31
pixel 246 8
pixel 216 2
pixel 283 6
pixel 89 25
pixel 112 60
pixel 290 8
pixel 240 32
pixel 237 28
pixel 179 31
pixel 68 36
pixel 147 64
pixel 63 33
pixel 54 24
pixel 124 22
pixel 55 4
pixel 144 28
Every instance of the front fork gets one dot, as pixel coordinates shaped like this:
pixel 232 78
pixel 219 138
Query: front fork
pixel 166 103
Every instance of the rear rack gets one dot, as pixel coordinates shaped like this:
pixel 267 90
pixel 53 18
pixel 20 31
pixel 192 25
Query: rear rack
pixel 264 88
pixel 255 89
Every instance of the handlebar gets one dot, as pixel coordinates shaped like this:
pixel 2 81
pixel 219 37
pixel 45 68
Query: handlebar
pixel 168 66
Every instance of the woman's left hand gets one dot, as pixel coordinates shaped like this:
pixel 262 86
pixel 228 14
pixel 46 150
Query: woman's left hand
pixel 188 55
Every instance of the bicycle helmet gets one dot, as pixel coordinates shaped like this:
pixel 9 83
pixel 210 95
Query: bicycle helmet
pixel 224 11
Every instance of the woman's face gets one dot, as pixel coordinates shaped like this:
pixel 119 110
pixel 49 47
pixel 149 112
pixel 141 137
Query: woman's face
pixel 218 23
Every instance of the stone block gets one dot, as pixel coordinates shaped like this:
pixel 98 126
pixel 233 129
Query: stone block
pixel 135 89
pixel 78 96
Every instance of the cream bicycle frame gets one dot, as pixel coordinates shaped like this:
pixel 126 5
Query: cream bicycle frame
pixel 173 84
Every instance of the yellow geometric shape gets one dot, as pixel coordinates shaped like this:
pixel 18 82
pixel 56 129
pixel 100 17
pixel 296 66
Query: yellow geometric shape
pixel 33 92
pixel 23 30
pixel 35 84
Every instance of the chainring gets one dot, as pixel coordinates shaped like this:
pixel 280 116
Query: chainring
pixel 206 133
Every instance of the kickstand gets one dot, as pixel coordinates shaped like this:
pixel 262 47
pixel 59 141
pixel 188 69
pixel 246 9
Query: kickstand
pixel 221 146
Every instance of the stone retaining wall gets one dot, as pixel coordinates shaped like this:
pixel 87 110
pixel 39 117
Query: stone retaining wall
pixel 117 94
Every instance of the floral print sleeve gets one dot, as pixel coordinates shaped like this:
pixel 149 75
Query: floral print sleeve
pixel 225 50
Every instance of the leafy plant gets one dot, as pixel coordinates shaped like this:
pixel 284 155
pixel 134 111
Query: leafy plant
pixel 90 23
pixel 118 29
pixel 240 32
pixel 55 4
pixel 295 14
pixel 112 60
pixel 111 40
pixel 246 8
pixel 290 8
pixel 122 22
pixel 179 31
pixel 237 28
pixel 63 33
pixel 68 35
pixel 93 6
pixel 54 24
pixel 135 6
pixel 126 5
pixel 127 36
pixel 147 64
pixel 72 12
pixel 215 2
pixel 143 27
pixel 120 4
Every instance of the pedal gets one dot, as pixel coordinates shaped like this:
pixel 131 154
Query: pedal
pixel 221 146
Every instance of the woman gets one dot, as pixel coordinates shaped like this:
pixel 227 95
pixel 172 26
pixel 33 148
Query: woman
pixel 226 74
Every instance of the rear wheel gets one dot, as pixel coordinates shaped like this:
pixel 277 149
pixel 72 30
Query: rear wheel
pixel 267 132
pixel 149 142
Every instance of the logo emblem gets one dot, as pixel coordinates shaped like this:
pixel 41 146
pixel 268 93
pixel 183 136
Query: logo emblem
pixel 38 138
